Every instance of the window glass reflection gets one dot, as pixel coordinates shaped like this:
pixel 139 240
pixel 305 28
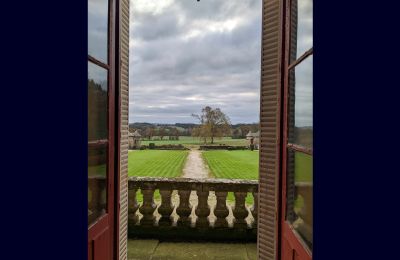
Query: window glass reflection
pixel 300 194
pixel 97 188
pixel 302 27
pixel 97 102
pixel 97 29
pixel 301 100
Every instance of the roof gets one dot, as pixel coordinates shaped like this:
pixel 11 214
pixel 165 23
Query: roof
pixel 250 134
pixel 135 134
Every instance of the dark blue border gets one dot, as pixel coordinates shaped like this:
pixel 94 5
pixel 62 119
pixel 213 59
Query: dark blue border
pixel 355 130
pixel 43 130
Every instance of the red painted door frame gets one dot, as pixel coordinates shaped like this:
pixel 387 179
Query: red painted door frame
pixel 291 245
pixel 103 233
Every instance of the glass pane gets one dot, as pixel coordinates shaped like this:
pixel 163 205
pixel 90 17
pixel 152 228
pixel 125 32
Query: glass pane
pixel 97 180
pixel 302 27
pixel 97 102
pixel 97 29
pixel 300 194
pixel 301 104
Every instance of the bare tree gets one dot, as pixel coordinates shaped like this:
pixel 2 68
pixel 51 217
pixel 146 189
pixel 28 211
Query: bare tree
pixel 161 132
pixel 149 132
pixel 213 124
pixel 175 133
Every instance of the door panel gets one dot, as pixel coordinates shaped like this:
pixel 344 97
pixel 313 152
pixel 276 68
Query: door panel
pixel 287 250
pixel 101 129
pixel 292 246
pixel 101 248
pixel 99 240
pixel 297 143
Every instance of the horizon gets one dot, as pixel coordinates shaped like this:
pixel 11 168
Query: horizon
pixel 144 122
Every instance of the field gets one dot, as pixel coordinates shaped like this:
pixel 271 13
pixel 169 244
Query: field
pixel 233 164
pixel 222 164
pixel 156 163
pixel 167 163
pixel 191 141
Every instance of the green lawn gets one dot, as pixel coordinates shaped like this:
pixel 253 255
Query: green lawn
pixel 233 164
pixel 189 141
pixel 156 163
pixel 222 164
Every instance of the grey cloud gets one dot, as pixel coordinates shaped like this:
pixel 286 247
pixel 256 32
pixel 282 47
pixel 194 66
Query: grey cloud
pixel 162 26
pixel 183 58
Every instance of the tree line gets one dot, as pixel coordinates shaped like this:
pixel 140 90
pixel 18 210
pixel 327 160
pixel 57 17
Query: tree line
pixel 212 124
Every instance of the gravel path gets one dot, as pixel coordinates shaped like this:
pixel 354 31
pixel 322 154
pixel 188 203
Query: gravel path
pixel 195 167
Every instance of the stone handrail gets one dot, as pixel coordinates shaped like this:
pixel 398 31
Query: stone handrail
pixel 192 208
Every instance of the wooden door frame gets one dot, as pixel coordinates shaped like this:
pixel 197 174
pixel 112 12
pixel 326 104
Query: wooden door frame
pixel 286 230
pixel 113 129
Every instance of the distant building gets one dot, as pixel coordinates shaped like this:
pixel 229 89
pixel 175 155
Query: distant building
pixel 135 140
pixel 253 139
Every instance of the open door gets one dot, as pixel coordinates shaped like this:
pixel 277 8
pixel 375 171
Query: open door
pixel 297 142
pixel 101 130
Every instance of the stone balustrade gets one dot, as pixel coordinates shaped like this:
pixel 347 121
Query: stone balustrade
pixel 182 208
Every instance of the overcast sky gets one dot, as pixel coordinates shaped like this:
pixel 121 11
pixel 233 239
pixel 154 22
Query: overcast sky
pixel 186 54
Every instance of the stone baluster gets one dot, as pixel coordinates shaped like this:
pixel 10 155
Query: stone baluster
pixel 202 210
pixel 133 206
pixel 148 207
pixel 166 208
pixel 221 211
pixel 184 209
pixel 254 210
pixel 239 210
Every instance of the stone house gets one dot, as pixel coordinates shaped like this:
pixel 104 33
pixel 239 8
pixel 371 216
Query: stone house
pixel 253 139
pixel 135 140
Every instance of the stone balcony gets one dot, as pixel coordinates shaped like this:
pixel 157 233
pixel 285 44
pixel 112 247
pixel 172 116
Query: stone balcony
pixel 192 209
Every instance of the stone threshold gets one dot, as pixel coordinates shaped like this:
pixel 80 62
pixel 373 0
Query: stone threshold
pixel 153 249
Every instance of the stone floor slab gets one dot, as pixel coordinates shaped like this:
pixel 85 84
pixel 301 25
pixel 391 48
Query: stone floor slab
pixel 200 251
pixel 154 250
pixel 251 251
pixel 141 249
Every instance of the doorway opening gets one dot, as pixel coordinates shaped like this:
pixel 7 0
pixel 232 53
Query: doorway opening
pixel 194 121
